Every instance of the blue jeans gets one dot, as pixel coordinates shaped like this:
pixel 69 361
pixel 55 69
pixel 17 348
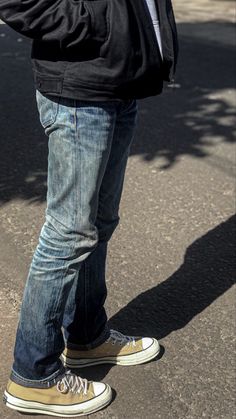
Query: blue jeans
pixel 63 301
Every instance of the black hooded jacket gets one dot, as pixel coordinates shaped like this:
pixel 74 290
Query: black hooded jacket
pixel 96 49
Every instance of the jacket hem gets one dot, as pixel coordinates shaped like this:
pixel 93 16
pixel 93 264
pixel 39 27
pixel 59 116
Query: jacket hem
pixel 80 91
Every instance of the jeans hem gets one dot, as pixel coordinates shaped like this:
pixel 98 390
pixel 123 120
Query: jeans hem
pixel 94 344
pixel 49 381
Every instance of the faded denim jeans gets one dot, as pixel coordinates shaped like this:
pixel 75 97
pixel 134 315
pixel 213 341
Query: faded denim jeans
pixel 63 301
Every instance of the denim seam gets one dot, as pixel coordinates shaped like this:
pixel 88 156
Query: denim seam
pixel 76 198
pixel 81 216
pixel 72 248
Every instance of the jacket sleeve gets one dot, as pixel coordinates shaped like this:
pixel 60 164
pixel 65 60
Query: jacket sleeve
pixel 66 21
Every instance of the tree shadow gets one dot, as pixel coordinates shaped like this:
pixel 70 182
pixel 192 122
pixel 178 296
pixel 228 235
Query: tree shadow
pixel 197 112
pixel 190 118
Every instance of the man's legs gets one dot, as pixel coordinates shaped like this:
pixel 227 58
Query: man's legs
pixel 85 317
pixel 86 301
pixel 80 143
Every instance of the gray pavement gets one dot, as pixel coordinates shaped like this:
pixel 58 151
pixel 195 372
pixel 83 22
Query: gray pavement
pixel 171 265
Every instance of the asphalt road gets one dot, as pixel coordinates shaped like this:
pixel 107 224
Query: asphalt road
pixel 171 265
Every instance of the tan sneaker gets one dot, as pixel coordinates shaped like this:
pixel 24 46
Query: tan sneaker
pixel 117 349
pixel 71 396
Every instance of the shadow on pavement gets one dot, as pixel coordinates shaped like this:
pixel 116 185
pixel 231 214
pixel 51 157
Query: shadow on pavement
pixel 188 119
pixel 208 271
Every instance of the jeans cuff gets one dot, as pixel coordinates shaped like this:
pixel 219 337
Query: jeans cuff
pixel 94 344
pixel 47 382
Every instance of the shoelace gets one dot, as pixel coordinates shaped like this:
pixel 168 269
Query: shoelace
pixel 116 336
pixel 73 383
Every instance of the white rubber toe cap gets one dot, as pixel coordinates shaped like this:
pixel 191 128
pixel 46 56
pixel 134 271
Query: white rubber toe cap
pixel 148 342
pixel 99 388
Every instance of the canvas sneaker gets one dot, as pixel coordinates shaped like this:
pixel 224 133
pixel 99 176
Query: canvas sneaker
pixel 117 349
pixel 70 396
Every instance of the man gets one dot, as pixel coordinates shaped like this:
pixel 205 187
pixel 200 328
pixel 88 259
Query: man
pixel 91 60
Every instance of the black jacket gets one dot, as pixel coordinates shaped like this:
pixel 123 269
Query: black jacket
pixel 96 49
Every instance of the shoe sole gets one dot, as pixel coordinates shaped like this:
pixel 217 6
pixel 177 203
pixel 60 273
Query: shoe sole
pixel 126 360
pixel 88 407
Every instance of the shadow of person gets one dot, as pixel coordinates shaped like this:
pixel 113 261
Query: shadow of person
pixel 207 272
